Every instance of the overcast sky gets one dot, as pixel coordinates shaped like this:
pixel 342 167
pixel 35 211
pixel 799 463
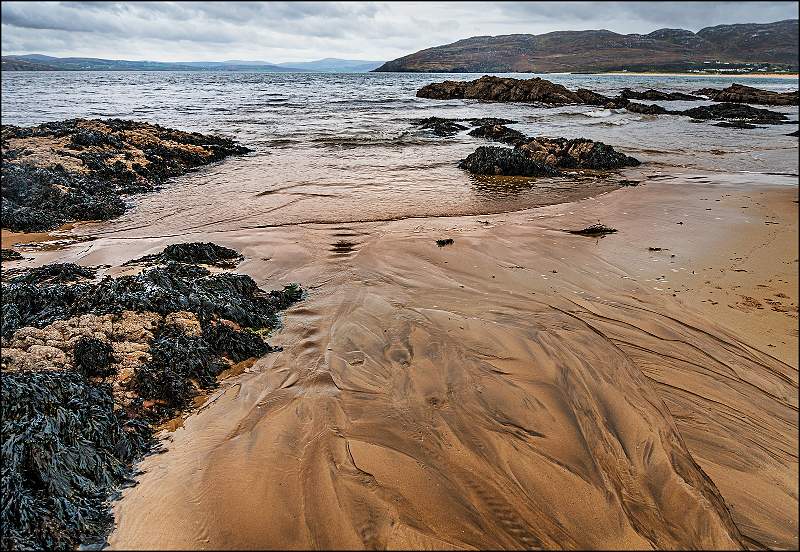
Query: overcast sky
pixel 296 31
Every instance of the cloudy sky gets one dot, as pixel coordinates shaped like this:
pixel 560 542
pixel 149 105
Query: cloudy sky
pixel 296 31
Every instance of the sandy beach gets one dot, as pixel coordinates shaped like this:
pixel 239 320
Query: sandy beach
pixel 522 387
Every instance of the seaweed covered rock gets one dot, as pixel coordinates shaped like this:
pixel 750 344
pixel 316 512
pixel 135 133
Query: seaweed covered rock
pixel 651 109
pixel 579 153
pixel 496 160
pixel 194 253
pixel 9 255
pixel 656 95
pixel 90 367
pixel 81 169
pixel 65 448
pixel 440 126
pixel 500 89
pixel 738 93
pixel 498 133
pixel 734 111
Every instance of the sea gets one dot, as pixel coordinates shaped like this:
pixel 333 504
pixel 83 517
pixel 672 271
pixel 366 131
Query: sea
pixel 343 147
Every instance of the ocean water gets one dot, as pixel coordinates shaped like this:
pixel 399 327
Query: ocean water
pixel 341 147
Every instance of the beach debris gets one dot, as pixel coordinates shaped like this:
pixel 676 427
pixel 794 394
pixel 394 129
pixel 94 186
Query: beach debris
pixel 594 230
pixel 91 367
pixel 444 242
pixel 81 169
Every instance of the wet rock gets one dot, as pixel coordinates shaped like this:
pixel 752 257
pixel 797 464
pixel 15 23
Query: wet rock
pixel 500 89
pixel 194 253
pixel 628 183
pixel 735 124
pixel 595 230
pixel 9 255
pixel 651 109
pixel 81 169
pixel 738 93
pixel 498 133
pixel 734 111
pixel 496 160
pixel 795 133
pixel 490 121
pixel 440 126
pixel 656 95
pixel 578 153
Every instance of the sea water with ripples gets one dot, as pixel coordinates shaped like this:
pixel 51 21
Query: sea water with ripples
pixel 341 147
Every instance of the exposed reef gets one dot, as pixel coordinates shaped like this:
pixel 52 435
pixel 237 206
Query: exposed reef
pixel 738 93
pixel 81 169
pixel 91 366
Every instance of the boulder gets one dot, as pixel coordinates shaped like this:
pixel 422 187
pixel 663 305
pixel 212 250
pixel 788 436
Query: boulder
pixel 738 93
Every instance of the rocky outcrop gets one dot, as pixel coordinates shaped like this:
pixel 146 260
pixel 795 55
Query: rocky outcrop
pixel 90 367
pixel 738 93
pixel 495 160
pixel 651 109
pixel 81 169
pixel 734 111
pixel 656 95
pixel 498 133
pixel 439 126
pixel 545 157
pixel 499 89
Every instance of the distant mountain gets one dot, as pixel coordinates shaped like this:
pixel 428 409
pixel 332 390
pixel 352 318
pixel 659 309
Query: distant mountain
pixel 750 46
pixel 39 62
pixel 334 65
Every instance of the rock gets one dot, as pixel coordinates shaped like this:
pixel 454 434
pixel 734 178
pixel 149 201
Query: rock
pixel 734 111
pixel 439 126
pixel 735 124
pixel 578 153
pixel 504 161
pixel 738 93
pixel 100 364
pixel 9 255
pixel 500 89
pixel 194 253
pixel 81 169
pixel 651 109
pixel 490 121
pixel 656 95
pixel 795 133
pixel 498 133
pixel 444 242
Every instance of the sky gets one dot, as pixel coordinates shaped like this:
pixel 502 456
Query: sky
pixel 299 31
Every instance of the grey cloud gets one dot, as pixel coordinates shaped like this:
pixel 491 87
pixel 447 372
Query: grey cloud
pixel 286 31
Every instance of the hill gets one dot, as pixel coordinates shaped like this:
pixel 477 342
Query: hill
pixel 39 62
pixel 741 47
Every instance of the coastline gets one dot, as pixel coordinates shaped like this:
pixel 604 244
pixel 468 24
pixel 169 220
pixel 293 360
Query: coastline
pixel 312 438
pixel 787 76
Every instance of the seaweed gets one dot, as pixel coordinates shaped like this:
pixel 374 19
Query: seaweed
pixel 594 230
pixel 442 243
pixel 69 436
pixel 193 253
pixel 64 449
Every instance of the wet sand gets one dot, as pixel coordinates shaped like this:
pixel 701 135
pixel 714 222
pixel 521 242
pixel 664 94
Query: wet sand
pixel 520 388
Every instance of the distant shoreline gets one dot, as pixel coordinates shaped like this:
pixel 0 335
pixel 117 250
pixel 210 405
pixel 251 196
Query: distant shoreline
pixel 686 74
